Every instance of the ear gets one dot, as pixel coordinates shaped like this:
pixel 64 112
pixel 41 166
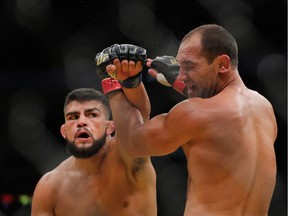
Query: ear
pixel 223 63
pixel 63 131
pixel 110 127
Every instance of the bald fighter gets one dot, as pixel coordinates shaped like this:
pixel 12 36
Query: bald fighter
pixel 226 130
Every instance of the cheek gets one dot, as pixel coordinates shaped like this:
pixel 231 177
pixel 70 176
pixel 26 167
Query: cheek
pixel 208 75
pixel 99 127
pixel 69 132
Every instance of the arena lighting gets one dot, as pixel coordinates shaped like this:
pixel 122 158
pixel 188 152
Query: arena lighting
pixel 7 200
pixel 25 199
pixel 11 203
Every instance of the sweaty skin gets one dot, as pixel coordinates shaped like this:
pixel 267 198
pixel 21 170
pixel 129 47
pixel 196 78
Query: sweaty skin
pixel 226 130
pixel 112 182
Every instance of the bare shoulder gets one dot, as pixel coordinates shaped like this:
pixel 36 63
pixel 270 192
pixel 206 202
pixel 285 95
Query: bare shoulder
pixel 47 189
pixel 261 100
pixel 264 110
pixel 192 110
pixel 51 180
pixel 190 118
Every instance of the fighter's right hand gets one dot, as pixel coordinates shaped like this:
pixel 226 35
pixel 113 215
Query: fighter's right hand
pixel 127 65
pixel 166 70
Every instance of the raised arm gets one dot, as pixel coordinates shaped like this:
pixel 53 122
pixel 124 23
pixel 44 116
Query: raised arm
pixel 138 97
pixel 157 136
pixel 163 134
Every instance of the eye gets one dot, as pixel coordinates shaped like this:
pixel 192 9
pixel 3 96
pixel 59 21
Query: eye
pixel 187 69
pixel 72 117
pixel 92 115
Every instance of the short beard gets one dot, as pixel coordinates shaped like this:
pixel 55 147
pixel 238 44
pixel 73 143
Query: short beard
pixel 97 145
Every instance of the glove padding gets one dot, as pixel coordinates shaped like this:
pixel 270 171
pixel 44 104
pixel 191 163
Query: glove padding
pixel 108 83
pixel 123 52
pixel 167 69
pixel 128 52
pixel 102 59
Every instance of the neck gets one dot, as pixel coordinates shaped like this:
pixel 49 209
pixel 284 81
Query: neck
pixel 231 79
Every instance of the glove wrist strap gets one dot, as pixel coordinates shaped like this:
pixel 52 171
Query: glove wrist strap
pixel 180 87
pixel 132 82
pixel 109 85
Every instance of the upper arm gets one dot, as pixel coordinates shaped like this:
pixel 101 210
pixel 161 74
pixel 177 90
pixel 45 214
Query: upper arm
pixel 43 197
pixel 160 135
pixel 164 133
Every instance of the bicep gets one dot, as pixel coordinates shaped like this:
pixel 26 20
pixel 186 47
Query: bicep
pixel 163 134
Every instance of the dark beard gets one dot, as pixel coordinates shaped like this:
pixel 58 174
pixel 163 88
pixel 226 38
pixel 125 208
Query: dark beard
pixel 72 148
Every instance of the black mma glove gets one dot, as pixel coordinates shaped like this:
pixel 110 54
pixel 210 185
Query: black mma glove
pixel 128 52
pixel 168 71
pixel 108 83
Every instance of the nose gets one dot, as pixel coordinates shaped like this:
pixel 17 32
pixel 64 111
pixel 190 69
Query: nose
pixel 81 121
pixel 181 76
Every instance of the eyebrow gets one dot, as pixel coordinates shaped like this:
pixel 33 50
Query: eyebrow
pixel 86 110
pixel 188 62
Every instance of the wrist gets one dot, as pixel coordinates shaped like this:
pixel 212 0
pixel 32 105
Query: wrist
pixel 132 82
pixel 110 84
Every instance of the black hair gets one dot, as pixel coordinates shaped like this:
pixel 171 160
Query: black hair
pixel 87 94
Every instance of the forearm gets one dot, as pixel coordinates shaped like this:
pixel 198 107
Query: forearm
pixel 130 109
pixel 126 118
pixel 138 97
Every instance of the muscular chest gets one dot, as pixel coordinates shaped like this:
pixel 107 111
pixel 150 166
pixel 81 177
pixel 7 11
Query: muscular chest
pixel 110 193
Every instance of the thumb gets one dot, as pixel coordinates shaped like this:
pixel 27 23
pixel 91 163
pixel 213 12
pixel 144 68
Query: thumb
pixel 111 70
pixel 159 77
pixel 153 73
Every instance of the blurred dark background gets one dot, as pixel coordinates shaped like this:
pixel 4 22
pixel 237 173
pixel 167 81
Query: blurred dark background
pixel 48 48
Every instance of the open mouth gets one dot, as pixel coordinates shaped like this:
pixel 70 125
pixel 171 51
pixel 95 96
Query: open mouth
pixel 83 135
pixel 192 89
